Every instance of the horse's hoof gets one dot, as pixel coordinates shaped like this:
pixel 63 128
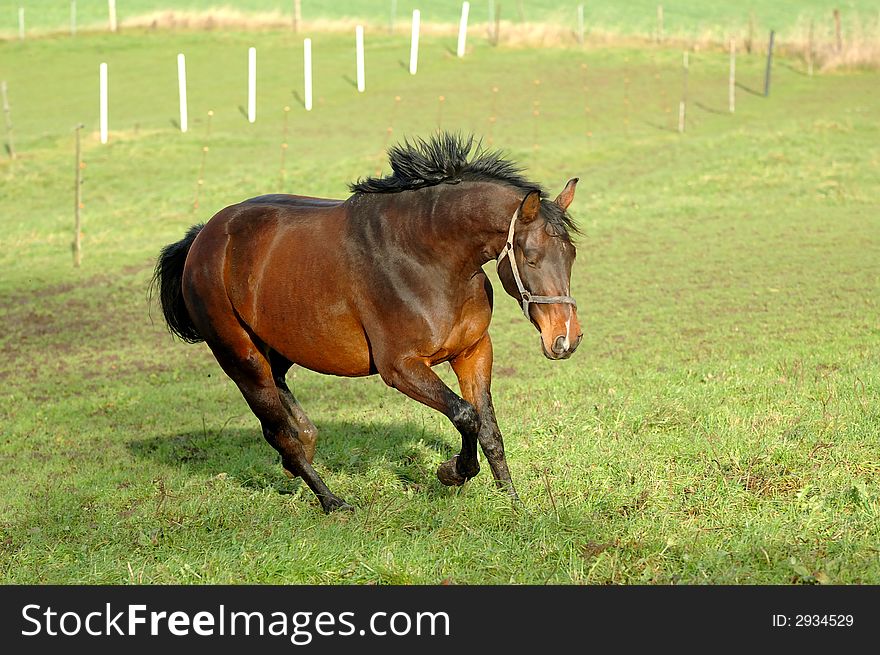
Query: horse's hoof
pixel 508 488
pixel 448 473
pixel 334 504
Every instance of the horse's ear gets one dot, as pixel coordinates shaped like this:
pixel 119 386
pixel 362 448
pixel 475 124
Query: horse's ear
pixel 567 194
pixel 531 205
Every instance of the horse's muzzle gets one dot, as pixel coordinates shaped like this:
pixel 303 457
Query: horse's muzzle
pixel 561 349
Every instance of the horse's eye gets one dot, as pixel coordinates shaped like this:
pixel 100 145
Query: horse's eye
pixel 532 263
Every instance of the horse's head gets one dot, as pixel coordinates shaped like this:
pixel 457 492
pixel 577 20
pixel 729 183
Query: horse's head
pixel 541 257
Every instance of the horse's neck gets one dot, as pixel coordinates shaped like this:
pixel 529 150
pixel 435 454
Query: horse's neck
pixel 471 219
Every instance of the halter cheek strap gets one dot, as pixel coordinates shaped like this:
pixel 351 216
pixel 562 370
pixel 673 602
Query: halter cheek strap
pixel 524 293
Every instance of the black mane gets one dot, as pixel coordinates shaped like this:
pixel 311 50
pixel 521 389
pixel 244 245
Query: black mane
pixel 447 158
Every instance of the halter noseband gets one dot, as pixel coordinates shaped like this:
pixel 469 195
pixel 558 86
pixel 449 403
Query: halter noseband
pixel 524 293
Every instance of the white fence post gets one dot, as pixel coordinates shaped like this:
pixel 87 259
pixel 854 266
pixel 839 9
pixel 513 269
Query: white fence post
pixel 359 45
pixel 731 82
pixel 181 88
pixel 462 28
pixel 10 146
pixel 580 24
pixel 682 104
pixel 297 15
pixel 252 84
pixel 102 74
pixel 307 72
pixel 111 10
pixel 414 45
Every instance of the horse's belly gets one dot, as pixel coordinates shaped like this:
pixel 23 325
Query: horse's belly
pixel 324 342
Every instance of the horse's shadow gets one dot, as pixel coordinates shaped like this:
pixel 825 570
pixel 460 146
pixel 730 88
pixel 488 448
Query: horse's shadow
pixel 408 451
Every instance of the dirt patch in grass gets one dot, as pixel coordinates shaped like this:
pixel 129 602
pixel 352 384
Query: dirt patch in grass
pixel 592 549
pixel 55 290
pixel 78 325
pixel 764 478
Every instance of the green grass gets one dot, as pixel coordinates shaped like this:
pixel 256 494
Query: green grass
pixel 718 424
pixel 632 16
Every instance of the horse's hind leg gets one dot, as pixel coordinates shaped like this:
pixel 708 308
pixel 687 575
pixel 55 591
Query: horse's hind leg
pixel 307 433
pixel 249 368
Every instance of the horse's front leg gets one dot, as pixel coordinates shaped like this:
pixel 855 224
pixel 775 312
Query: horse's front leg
pixel 413 377
pixel 474 371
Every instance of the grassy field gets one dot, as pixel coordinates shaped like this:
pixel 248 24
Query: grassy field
pixel 718 424
pixel 681 17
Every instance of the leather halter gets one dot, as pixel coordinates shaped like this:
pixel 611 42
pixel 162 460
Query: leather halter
pixel 524 293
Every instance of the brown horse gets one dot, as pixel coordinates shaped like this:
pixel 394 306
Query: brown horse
pixel 389 281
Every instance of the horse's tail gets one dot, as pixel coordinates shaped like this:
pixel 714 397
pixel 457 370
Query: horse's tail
pixel 167 281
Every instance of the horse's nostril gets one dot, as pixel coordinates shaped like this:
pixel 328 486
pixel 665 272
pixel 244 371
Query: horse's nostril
pixel 559 345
